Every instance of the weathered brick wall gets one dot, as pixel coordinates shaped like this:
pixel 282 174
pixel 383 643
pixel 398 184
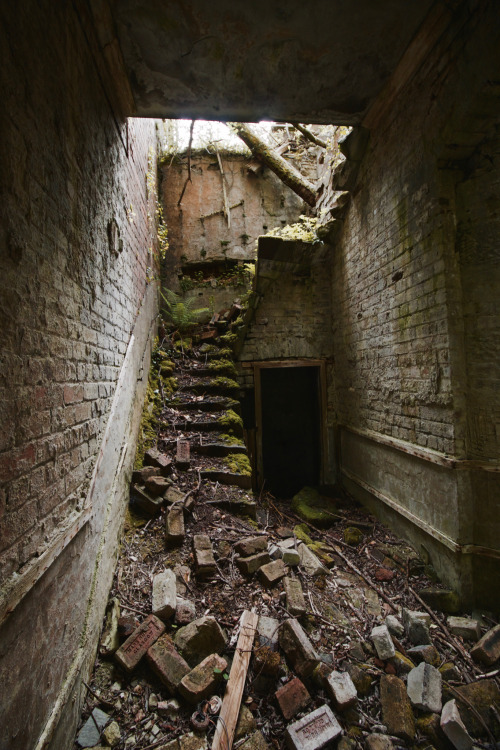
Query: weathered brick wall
pixel 70 167
pixel 415 332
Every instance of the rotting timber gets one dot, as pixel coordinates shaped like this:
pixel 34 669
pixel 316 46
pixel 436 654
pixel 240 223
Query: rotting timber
pixel 324 598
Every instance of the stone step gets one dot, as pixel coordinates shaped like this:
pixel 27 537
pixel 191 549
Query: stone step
pixel 209 405
pixel 209 426
pixel 228 478
pixel 214 386
pixel 208 372
pixel 217 450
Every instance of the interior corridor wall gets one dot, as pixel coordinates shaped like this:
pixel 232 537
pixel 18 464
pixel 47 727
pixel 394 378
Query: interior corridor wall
pixel 415 326
pixel 76 316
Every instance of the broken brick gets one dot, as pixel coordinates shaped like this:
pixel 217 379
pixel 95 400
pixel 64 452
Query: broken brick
pixel 203 555
pixel 154 457
pixel 272 572
pixel 201 681
pixel 292 698
pixel 295 602
pixel 249 565
pixel 136 645
pixel 167 663
pixel 175 531
pixel 251 546
pixel 183 454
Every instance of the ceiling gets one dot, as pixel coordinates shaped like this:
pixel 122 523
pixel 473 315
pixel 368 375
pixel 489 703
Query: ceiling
pixel 320 61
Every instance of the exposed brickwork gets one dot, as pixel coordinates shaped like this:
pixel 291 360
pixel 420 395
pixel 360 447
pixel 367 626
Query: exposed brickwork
pixel 70 170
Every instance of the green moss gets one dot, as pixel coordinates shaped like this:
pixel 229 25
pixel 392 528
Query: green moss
pixel 319 551
pixel 304 230
pixel 300 532
pixel 231 439
pixel 229 338
pixel 308 505
pixel 238 463
pixel 353 536
pixel 231 421
pixel 221 382
pixel 223 365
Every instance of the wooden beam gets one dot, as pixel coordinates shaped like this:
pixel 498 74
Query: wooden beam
pixel 224 732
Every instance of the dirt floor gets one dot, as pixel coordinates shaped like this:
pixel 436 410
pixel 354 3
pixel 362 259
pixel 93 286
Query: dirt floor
pixel 368 574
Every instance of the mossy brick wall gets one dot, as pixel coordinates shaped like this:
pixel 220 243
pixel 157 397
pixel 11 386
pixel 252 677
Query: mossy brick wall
pixel 415 324
pixel 69 165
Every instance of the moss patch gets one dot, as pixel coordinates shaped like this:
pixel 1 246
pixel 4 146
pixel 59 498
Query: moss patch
pixel 231 439
pixel 238 463
pixel 301 532
pixel 309 505
pixel 231 422
pixel 223 365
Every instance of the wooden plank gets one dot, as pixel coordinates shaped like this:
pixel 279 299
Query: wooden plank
pixel 224 732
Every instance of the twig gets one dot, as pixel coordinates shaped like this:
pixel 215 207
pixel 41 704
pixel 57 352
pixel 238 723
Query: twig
pixel 131 609
pixel 102 700
pixel 309 135
pixel 188 179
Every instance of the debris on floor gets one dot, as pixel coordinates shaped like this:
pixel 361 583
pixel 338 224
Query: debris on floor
pixel 263 623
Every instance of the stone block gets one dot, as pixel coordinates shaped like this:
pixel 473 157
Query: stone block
pixel 164 594
pixel 203 555
pixel 454 728
pixel 465 627
pixel 341 689
pixel 396 709
pixel 246 723
pixel 175 531
pixel 424 688
pixel 167 663
pixel 183 454
pixel 201 681
pixel 298 648
pixel 295 602
pixel 394 626
pixel 444 600
pixel 402 663
pixel 272 572
pixel 484 696
pixel 383 642
pixel 154 457
pixel 251 546
pixel 144 501
pixel 185 611
pixel 267 632
pixel 157 485
pixel 314 731
pixel 139 476
pixel 487 650
pixel 427 653
pixel 173 495
pixel 131 652
pixel 417 627
pixel 199 639
pixel 312 565
pixel 249 565
pixel 292 698
pixel 290 557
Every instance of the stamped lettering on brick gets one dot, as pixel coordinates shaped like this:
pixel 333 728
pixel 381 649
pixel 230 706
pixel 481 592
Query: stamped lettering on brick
pixel 134 648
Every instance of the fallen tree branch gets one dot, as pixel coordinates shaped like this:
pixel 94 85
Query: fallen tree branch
pixel 287 174
pixel 309 135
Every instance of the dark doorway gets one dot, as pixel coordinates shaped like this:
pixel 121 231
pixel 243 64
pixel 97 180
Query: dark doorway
pixel 291 444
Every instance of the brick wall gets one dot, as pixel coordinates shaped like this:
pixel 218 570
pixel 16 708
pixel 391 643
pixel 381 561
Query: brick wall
pixel 71 168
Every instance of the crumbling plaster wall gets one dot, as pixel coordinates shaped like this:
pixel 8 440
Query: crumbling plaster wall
pixel 76 319
pixel 199 232
pixel 416 325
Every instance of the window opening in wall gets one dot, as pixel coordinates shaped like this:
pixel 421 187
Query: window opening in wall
pixel 291 428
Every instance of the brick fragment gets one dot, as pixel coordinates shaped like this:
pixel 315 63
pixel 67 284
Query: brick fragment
pixel 454 728
pixel 465 627
pixel 272 572
pixel 154 457
pixel 146 502
pixel 185 611
pixel 396 709
pixel 203 555
pixel 487 650
pixel 249 565
pixel 424 688
pixel 298 648
pixel 295 602
pixel 201 681
pixel 341 689
pixel 183 454
pixel 175 531
pixel 314 731
pixel 136 645
pixel 251 546
pixel 383 642
pixel 164 594
pixel 156 486
pixel 167 663
pixel 292 698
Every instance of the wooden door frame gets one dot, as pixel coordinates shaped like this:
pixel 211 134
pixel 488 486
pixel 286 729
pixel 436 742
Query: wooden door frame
pixel 258 366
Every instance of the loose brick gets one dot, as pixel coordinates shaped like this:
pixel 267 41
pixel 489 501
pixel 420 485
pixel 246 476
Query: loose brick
pixel 272 572
pixel 396 710
pixel 292 698
pixel 164 594
pixel 313 732
pixel 251 546
pixel 249 565
pixel 298 648
pixel 341 689
pixel 154 457
pixel 201 681
pixel 295 602
pixel 175 531
pixel 136 645
pixel 167 663
pixel 487 650
pixel 203 555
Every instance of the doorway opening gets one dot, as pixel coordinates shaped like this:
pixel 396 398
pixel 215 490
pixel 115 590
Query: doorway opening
pixel 288 406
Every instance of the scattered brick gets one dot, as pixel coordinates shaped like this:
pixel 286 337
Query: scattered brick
pixel 314 731
pixel 202 680
pixel 487 650
pixel 183 454
pixel 167 663
pixel 295 602
pixel 203 555
pixel 251 546
pixel 146 502
pixel 272 572
pixel 292 698
pixel 136 645
pixel 341 689
pixel 156 486
pixel 298 648
pixel 424 688
pixel 249 565
pixel 164 594
pixel 396 709
pixel 154 457
pixel 383 642
pixel 454 728
pixel 185 611
pixel 175 531
pixel 465 627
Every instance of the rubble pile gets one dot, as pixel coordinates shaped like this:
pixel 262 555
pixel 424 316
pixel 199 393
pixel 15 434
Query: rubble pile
pixel 355 643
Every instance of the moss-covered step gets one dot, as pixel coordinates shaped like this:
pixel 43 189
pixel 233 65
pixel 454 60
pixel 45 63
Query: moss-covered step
pixel 210 405
pixel 244 481
pixel 214 368
pixel 229 422
pixel 242 506
pixel 218 385
pixel 217 450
